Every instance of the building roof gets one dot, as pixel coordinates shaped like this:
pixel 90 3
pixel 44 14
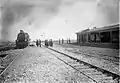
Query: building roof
pixel 110 27
pixel 83 31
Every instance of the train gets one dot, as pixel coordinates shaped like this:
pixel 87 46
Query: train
pixel 22 40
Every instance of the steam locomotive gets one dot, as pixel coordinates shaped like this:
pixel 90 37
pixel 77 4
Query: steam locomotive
pixel 22 40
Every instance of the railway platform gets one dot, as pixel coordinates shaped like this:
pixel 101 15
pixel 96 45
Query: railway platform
pixel 104 58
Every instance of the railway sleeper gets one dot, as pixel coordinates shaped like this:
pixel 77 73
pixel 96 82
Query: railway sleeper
pixel 67 59
pixel 107 81
pixel 108 75
pixel 3 55
pixel 80 66
pixel 2 67
pixel 95 73
pixel 1 70
pixel 102 76
pixel 87 70
pixel 72 62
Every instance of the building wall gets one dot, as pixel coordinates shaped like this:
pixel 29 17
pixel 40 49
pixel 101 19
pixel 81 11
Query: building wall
pixel 110 36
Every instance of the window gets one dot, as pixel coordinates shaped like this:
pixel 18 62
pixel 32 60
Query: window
pixel 105 37
pixel 115 36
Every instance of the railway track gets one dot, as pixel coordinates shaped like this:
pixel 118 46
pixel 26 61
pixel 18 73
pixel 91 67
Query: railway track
pixel 5 62
pixel 112 59
pixel 96 74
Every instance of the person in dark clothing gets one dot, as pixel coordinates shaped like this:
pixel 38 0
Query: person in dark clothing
pixel 59 41
pixel 37 43
pixel 51 42
pixel 62 41
pixel 46 43
pixel 69 40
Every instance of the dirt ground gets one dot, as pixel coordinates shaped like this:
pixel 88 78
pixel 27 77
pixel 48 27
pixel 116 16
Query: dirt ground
pixel 37 65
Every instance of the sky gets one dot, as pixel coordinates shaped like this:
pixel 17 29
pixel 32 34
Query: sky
pixel 54 19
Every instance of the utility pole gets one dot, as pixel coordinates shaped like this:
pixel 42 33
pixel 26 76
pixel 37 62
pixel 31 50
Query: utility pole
pixel 43 36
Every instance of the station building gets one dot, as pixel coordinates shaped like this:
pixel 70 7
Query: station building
pixel 107 36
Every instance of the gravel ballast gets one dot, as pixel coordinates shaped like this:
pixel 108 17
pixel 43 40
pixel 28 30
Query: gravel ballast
pixel 99 62
pixel 37 65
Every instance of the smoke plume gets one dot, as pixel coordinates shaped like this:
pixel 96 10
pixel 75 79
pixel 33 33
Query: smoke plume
pixel 16 12
pixel 11 14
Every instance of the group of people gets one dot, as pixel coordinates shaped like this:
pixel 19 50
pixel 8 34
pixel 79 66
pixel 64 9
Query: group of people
pixel 47 43
pixel 62 41
pixel 68 41
pixel 38 42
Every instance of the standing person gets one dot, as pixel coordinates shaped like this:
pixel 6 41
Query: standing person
pixel 51 42
pixel 62 41
pixel 37 42
pixel 69 40
pixel 59 41
pixel 46 43
pixel 40 42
